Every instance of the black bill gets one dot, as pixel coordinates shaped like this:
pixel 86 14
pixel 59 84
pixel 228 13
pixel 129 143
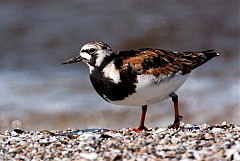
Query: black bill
pixel 73 60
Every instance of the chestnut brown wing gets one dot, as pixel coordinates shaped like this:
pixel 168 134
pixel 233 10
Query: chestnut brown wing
pixel 161 62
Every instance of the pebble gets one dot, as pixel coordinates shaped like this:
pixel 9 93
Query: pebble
pixel 216 130
pixel 189 142
pixel 208 136
pixel 89 156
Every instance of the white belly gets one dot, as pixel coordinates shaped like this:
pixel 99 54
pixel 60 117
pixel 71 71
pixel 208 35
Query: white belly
pixel 151 89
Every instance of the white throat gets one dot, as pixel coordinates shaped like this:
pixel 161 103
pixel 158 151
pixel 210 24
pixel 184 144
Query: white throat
pixel 91 68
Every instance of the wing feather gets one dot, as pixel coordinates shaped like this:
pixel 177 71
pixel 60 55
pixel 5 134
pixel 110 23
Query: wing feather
pixel 161 62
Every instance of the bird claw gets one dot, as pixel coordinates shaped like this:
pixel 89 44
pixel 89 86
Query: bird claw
pixel 138 130
pixel 176 123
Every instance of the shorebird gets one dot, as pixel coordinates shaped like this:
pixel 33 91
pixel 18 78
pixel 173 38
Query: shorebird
pixel 139 77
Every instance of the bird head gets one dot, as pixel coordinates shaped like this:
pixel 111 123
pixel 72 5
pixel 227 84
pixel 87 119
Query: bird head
pixel 92 53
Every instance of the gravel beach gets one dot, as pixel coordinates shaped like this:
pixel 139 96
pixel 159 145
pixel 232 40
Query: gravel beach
pixel 189 142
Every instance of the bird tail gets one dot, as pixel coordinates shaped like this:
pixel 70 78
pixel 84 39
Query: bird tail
pixel 210 53
pixel 195 59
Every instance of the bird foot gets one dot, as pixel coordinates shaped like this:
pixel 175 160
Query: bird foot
pixel 176 123
pixel 138 130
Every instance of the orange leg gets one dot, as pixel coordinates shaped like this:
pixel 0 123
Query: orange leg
pixel 141 125
pixel 144 111
pixel 177 116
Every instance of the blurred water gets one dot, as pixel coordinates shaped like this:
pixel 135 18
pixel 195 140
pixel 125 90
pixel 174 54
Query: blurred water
pixel 36 36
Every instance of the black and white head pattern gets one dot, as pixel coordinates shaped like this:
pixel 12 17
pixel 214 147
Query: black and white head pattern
pixel 93 53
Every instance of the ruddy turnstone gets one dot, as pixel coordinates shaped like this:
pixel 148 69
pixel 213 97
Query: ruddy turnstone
pixel 139 77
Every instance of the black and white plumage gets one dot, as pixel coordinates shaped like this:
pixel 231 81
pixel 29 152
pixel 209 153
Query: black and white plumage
pixel 139 77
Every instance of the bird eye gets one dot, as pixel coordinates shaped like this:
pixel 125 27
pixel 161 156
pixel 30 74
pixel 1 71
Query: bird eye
pixel 92 50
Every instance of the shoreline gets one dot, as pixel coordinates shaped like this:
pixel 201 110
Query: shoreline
pixel 208 142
